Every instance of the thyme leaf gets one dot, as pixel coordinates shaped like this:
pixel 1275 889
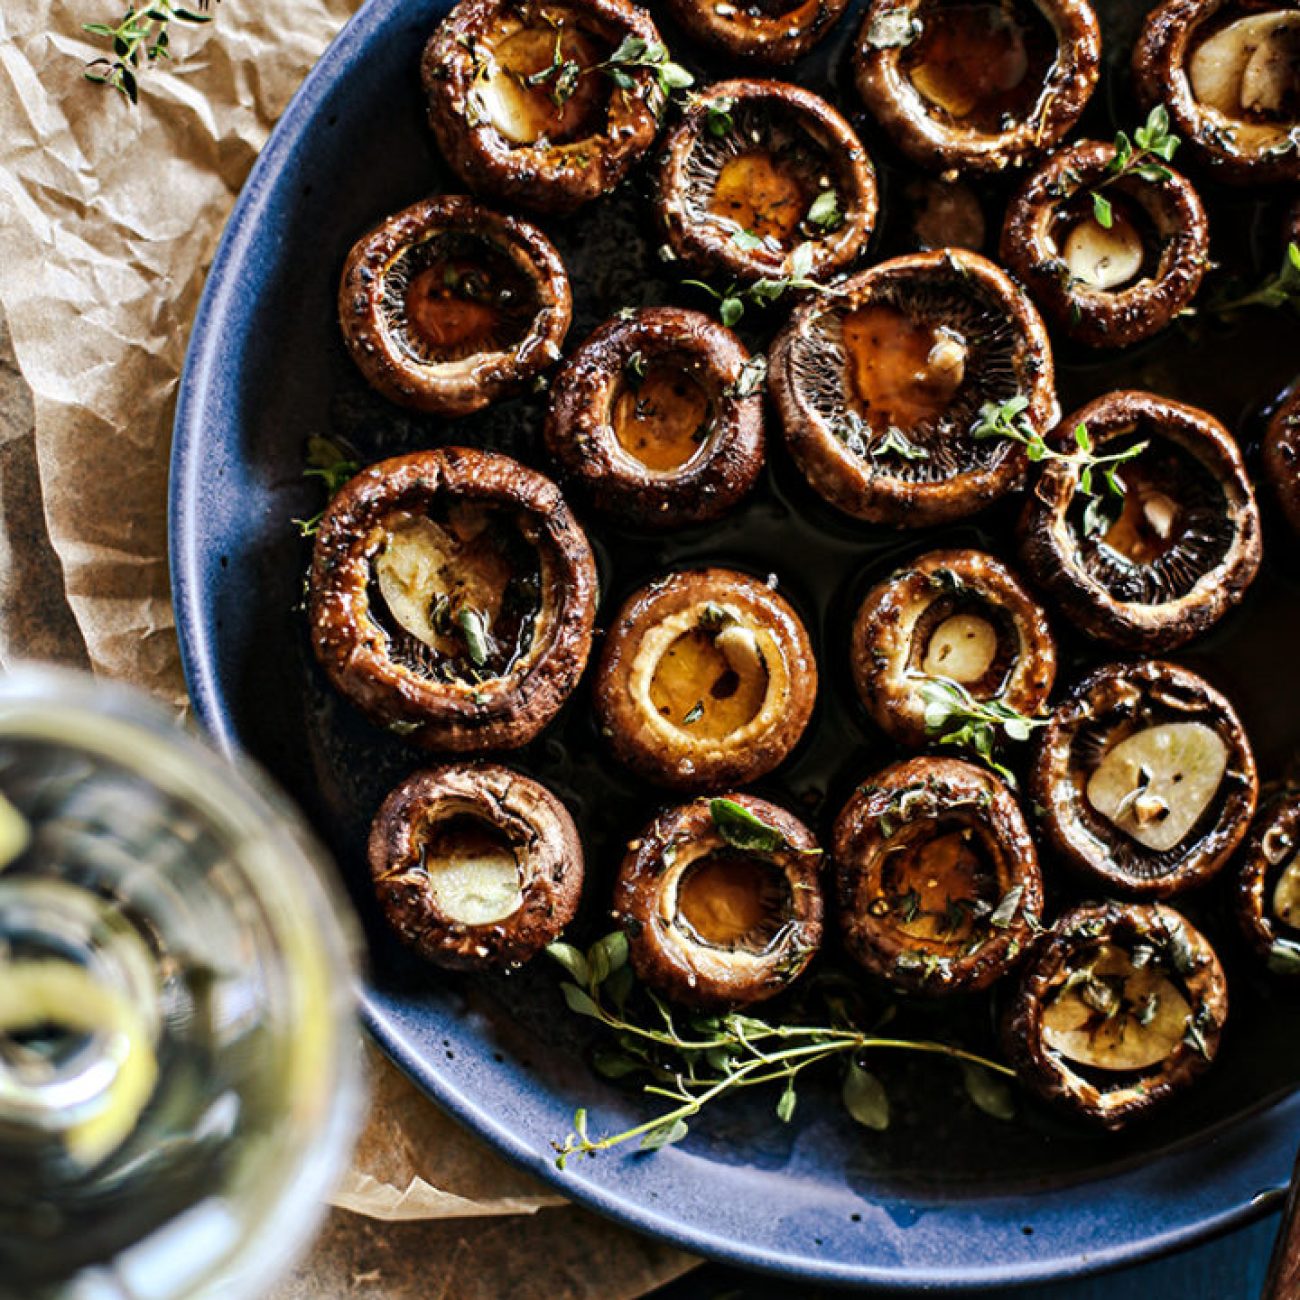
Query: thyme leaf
pixel 141 38
pixel 742 829
pixel 333 465
pixel 1282 289
pixel 956 717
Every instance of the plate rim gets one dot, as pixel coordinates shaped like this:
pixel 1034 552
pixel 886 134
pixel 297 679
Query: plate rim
pixel 211 712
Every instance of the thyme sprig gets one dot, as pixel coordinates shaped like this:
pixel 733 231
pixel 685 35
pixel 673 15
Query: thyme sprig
pixel 1144 156
pixel 636 52
pixel 142 37
pixel 693 1059
pixel 1282 289
pixel 1007 420
pixel 956 717
pixel 733 300
pixel 333 466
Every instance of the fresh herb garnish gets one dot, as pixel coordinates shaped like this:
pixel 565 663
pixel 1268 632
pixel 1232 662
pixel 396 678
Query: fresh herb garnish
pixel 698 1058
pixel 897 443
pixel 562 73
pixel 956 717
pixel 733 300
pixel 635 366
pixel 473 628
pixel 718 115
pixel 636 52
pixel 694 713
pixel 1284 958
pixel 1143 156
pixel 143 35
pixel 988 1091
pixel 752 377
pixel 1279 290
pixel 746 240
pixel 334 466
pixel 1005 912
pixel 742 829
pixel 825 212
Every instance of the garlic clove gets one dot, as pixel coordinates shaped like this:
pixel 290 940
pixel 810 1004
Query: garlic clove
pixel 962 648
pixel 410 571
pixel 476 886
pixel 1104 259
pixel 1249 65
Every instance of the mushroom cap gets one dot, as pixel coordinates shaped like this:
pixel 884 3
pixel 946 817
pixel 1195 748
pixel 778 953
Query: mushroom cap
pixel 668 954
pixel 936 801
pixel 373 314
pixel 722 603
pixel 1281 456
pixel 527 817
pixel 813 139
pixel 581 439
pixel 931 137
pixel 1162 602
pixel 900 615
pixel 1179 712
pixel 1113 1099
pixel 766 33
pixel 542 174
pixel 1100 317
pixel 1232 150
pixel 1270 851
pixel 502 712
pixel 811 380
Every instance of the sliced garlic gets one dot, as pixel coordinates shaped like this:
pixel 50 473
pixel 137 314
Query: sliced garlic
pixel 1075 1024
pixel 740 649
pixel 1249 65
pixel 1101 258
pixel 411 572
pixel 962 648
pixel 476 886
pixel 946 362
pixel 1155 784
pixel 1286 895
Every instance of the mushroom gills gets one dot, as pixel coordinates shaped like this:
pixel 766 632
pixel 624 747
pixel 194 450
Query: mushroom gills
pixel 731 900
pixel 1101 258
pixel 1251 67
pixel 453 296
pixel 1156 784
pixel 542 82
pixel 472 870
pixel 902 372
pixel 937 884
pixel 980 63
pixel 1286 895
pixel 711 682
pixel 662 417
pixel 962 648
pixel 1113 1015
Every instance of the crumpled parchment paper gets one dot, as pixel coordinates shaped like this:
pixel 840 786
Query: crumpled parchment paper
pixel 109 217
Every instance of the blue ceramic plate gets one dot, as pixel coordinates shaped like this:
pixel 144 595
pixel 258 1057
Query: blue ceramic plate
pixel 947 1197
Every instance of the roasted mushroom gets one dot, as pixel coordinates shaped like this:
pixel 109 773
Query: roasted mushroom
pixel 707 680
pixel 452 597
pixel 958 615
pixel 774 32
pixel 880 387
pixel 448 306
pixel 1121 1007
pixel 936 876
pixel 757 171
pixel 1228 72
pixel 658 417
pixel 476 867
pixel 1268 884
pixel 1282 456
pixel 543 104
pixel 1112 284
pixel 1145 779
pixel 977 87
pixel 1163 560
pixel 721 901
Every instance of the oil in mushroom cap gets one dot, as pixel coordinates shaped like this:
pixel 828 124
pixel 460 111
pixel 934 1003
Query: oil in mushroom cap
pixel 1113 1015
pixel 1155 784
pixel 733 900
pixel 473 871
pixel 661 417
pixel 1250 69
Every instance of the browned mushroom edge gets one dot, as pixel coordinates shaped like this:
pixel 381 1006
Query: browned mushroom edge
pixel 879 384
pixel 1145 779
pixel 658 418
pixel 1225 72
pixel 977 87
pixel 756 170
pixel 1157 566
pixel 713 925
pixel 1268 885
pixel 707 680
pixel 774 32
pixel 476 867
pixel 526 105
pixel 448 306
pixel 1282 457
pixel 936 876
pixel 1121 1006
pixel 959 615
pixel 452 597
pixel 1106 286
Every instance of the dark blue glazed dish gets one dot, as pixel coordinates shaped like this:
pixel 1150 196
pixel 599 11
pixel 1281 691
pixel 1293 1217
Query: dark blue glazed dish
pixel 948 1197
